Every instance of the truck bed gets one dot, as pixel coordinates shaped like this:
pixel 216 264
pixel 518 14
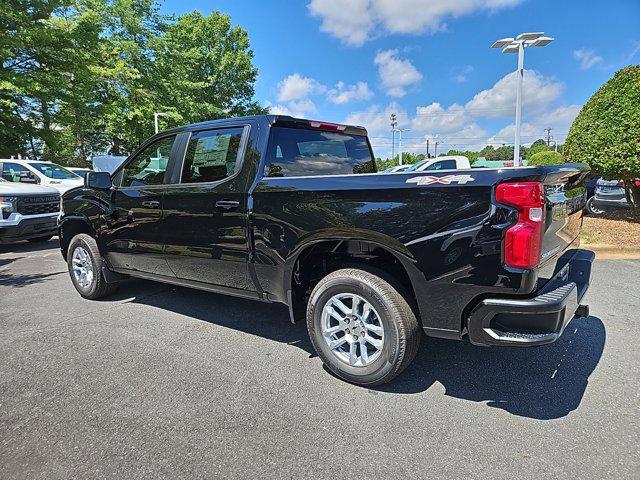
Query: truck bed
pixel 446 228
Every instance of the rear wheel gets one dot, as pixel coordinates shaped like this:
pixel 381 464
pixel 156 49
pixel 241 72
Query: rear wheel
pixel 362 327
pixel 85 268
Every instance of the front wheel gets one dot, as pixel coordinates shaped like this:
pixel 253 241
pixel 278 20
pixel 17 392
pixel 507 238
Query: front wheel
pixel 362 326
pixel 85 268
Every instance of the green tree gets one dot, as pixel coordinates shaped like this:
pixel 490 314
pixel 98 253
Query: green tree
pixel 203 69
pixel 546 158
pixel 32 49
pixel 606 132
pixel 84 76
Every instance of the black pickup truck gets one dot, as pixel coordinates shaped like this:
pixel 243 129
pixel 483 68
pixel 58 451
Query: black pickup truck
pixel 279 209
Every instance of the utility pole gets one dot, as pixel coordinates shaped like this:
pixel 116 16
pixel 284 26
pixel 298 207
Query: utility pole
pixel 428 148
pixel 435 154
pixel 549 137
pixel 400 130
pixel 394 124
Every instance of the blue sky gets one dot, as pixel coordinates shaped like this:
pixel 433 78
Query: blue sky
pixel 429 61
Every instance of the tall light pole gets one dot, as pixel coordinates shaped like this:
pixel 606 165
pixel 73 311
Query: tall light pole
pixel 517 45
pixel 155 119
pixel 400 130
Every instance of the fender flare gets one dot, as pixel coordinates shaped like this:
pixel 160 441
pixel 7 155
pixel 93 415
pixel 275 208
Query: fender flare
pixel 399 251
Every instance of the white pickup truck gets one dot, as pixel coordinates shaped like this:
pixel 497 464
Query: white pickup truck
pixel 27 212
pixel 42 173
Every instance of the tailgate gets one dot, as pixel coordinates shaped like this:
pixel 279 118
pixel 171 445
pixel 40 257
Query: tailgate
pixel 565 199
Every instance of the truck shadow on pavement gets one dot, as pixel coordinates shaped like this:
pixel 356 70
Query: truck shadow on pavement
pixel 542 383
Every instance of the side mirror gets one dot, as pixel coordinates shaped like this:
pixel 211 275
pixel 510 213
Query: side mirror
pixel 97 180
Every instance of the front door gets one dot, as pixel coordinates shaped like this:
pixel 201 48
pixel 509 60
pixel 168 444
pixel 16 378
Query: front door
pixel 205 212
pixel 133 240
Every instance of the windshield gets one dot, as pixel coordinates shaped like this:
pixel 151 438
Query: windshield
pixel 416 166
pixel 54 171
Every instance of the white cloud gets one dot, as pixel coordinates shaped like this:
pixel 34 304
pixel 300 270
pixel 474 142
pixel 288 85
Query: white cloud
pixel 458 126
pixel 342 94
pixel 499 101
pixel 463 74
pixel 297 87
pixel 356 21
pixel 396 73
pixel 377 119
pixel 296 108
pixel 587 58
pixel 433 118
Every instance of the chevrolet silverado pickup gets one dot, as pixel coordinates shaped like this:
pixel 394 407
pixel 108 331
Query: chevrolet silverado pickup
pixel 279 209
pixel 27 212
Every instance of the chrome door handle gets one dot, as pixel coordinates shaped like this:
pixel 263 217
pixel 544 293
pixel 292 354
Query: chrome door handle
pixel 151 204
pixel 227 205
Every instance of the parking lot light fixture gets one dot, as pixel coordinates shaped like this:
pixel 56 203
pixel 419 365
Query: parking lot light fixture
pixel 517 45
pixel 155 119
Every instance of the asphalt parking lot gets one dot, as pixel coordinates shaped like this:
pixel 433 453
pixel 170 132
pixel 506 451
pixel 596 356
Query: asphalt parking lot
pixel 162 381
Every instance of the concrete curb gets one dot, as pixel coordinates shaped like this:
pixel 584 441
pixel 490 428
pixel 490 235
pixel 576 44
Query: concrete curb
pixel 605 251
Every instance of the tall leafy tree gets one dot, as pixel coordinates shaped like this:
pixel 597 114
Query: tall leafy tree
pixel 203 69
pixel 84 76
pixel 606 132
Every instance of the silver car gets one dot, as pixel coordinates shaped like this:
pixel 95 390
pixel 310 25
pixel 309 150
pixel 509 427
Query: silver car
pixel 608 194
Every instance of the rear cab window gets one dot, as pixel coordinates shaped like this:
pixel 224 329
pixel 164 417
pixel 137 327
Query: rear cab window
pixel 299 152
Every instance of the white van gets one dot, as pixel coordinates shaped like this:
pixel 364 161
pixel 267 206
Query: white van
pixel 42 173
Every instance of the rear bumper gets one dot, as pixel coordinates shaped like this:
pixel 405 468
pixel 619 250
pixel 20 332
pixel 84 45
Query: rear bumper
pixel 610 202
pixel 29 228
pixel 538 320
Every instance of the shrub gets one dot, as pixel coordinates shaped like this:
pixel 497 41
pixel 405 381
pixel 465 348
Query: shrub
pixel 546 158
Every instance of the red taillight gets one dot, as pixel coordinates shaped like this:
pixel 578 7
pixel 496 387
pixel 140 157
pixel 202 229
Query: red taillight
pixel 523 241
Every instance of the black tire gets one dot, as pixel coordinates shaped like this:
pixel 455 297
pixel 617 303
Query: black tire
pixel 98 286
pixel 45 238
pixel 593 210
pixel 401 329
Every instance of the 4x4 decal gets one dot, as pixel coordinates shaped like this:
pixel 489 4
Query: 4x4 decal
pixel 446 180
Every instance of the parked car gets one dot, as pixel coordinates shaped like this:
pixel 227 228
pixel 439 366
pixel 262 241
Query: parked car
pixel 396 169
pixel 42 173
pixel 609 194
pixel 279 209
pixel 27 212
pixel 452 162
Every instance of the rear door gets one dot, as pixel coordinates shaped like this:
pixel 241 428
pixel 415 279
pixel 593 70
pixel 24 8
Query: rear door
pixel 205 224
pixel 132 234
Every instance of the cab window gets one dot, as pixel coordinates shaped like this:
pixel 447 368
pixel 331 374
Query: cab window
pixel 302 152
pixel 11 171
pixel 150 165
pixel 442 165
pixel 212 155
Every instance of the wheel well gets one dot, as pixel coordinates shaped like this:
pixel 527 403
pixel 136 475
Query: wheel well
pixel 69 230
pixel 320 259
